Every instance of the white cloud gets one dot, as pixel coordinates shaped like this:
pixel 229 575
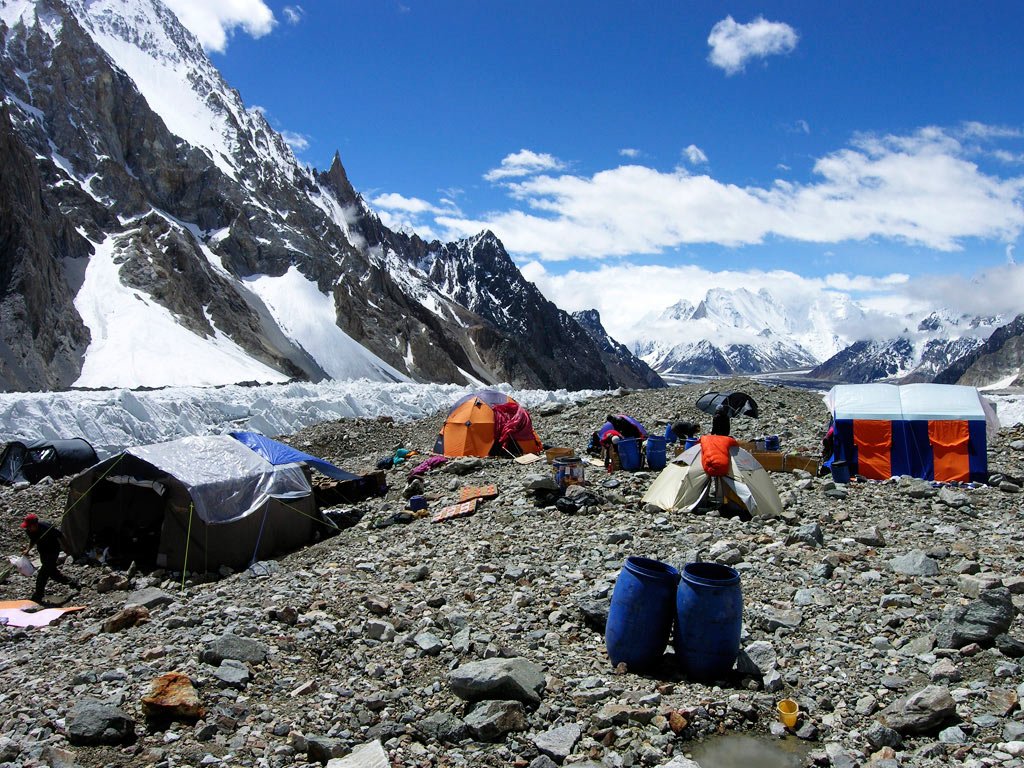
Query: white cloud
pixel 919 189
pixel 525 162
pixel 995 291
pixel 695 155
pixel 213 21
pixel 296 141
pixel 393 201
pixel 629 152
pixel 293 13
pixel 733 44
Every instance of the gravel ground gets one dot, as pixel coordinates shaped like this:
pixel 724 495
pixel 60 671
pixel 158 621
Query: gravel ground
pixel 855 598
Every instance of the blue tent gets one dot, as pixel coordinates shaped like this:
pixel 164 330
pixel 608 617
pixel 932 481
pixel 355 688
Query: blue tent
pixel 279 453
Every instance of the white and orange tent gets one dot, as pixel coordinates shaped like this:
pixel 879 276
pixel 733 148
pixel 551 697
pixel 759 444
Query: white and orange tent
pixel 931 431
pixel 715 466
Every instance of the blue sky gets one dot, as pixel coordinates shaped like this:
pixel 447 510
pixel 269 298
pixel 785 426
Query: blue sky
pixel 869 147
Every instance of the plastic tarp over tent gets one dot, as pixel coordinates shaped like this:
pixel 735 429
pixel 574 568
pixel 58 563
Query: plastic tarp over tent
pixel 931 431
pixel 280 453
pixel 197 503
pixel 685 485
pixel 32 461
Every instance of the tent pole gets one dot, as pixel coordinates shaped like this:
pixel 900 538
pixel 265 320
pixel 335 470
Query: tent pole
pixel 188 539
pixel 266 511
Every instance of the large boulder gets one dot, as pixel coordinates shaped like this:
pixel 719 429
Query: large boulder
pixel 516 678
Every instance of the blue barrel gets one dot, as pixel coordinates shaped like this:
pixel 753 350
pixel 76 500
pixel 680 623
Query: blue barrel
pixel 670 436
pixel 709 607
pixel 642 613
pixel 840 471
pixel 772 443
pixel 629 454
pixel 656 452
pixel 690 442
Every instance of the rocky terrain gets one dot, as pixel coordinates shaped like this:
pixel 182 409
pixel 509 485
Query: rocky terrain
pixel 888 611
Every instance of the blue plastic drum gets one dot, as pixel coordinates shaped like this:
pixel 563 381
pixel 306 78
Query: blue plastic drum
pixel 709 607
pixel 642 613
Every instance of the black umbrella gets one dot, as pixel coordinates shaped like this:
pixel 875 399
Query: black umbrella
pixel 736 403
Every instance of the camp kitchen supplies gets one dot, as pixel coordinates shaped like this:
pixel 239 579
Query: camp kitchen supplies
pixel 568 471
pixel 789 710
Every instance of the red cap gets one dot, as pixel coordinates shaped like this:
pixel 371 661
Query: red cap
pixel 30 519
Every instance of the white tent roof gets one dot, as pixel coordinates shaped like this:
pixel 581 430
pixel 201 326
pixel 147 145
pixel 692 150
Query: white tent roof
pixel 909 402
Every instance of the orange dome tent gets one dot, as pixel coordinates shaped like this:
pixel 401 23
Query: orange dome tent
pixel 487 423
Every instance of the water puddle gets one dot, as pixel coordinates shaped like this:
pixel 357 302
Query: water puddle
pixel 737 750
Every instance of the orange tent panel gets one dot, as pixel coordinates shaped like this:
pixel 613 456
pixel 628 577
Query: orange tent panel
pixel 873 440
pixel 949 440
pixel 469 430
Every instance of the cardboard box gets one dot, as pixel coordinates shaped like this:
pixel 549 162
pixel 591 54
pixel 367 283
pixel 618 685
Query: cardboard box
pixel 779 461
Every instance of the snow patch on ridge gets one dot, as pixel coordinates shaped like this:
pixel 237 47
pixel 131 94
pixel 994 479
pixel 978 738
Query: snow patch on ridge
pixel 308 317
pixel 145 345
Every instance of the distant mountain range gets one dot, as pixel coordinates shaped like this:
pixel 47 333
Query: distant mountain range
pixel 739 331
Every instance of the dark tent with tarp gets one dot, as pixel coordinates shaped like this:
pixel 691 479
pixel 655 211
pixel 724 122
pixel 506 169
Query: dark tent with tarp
pixel 193 504
pixel 736 403
pixel 31 462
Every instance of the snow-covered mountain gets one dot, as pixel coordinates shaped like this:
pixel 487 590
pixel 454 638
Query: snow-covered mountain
pixel 729 331
pixel 997 363
pixel 155 231
pixel 738 331
pixel 924 347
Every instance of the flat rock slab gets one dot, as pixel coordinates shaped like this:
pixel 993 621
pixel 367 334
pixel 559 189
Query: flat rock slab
pixel 515 678
pixel 233 647
pixel 95 722
pixel 369 755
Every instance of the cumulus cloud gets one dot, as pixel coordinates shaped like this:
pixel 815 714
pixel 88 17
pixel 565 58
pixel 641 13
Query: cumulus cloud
pixel 994 291
pixel 296 141
pixel 733 44
pixel 695 155
pixel 213 21
pixel 918 189
pixel 525 162
pixel 293 13
pixel 412 214
pixel 392 201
